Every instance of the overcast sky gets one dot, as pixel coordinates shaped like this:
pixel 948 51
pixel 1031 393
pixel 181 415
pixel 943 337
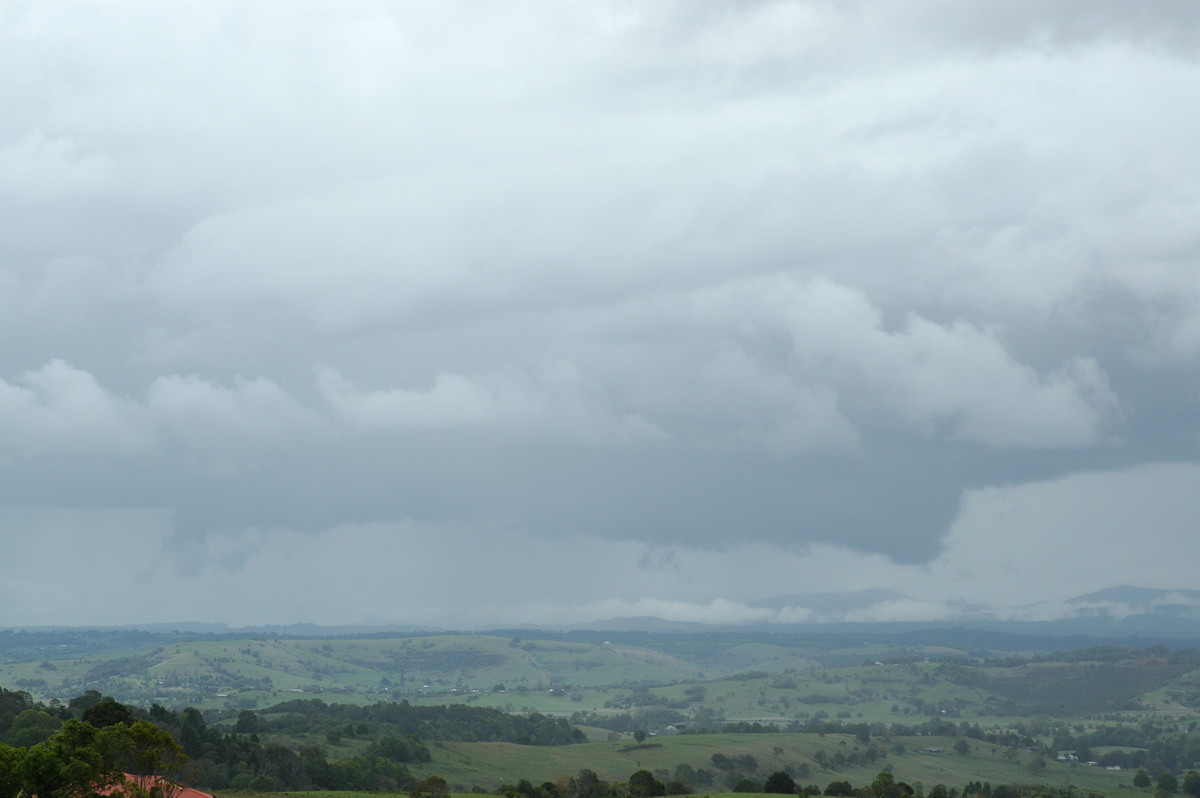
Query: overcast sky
pixel 538 312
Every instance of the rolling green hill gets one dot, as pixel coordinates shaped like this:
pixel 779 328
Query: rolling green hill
pixel 729 677
pixel 718 707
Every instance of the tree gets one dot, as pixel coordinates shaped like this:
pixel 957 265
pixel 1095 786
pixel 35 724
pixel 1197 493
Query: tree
pixel 639 736
pixel 1141 778
pixel 643 785
pixel 79 703
pixel 399 750
pixel 882 782
pixel 142 749
pixel 247 722
pixel 316 766
pixel 431 787
pixel 1167 782
pixel 589 785
pixel 1191 784
pixel 780 782
pixel 66 765
pixel 107 712
pixel 10 763
pixel 31 727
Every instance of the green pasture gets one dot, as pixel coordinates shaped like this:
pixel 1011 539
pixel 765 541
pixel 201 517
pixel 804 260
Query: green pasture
pixel 768 679
pixel 489 765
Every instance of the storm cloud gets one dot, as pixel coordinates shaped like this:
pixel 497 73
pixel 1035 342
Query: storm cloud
pixel 674 306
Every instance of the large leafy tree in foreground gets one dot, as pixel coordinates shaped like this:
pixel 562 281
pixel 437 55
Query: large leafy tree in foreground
pixel 80 760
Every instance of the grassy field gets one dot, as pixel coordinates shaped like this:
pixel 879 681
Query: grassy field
pixel 253 673
pixel 489 765
pixel 772 679
pixel 706 680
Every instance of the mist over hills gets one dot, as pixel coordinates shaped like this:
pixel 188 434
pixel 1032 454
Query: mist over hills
pixel 1143 615
pixel 1122 611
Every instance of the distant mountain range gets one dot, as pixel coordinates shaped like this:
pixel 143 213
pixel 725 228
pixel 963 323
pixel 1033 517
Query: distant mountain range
pixel 1127 612
pixel 1144 599
pixel 1123 611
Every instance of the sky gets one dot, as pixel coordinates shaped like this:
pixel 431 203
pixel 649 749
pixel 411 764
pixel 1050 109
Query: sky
pixel 484 314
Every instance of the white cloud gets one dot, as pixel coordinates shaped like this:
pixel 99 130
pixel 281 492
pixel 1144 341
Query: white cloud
pixel 962 376
pixel 61 408
pixel 204 413
pixel 38 169
pixel 954 379
pixel 558 402
pixel 1063 537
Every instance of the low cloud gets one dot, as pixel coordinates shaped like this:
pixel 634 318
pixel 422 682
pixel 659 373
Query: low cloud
pixel 412 572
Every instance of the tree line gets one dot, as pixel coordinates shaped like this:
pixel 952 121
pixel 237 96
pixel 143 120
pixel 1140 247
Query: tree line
pixel 645 784
pixel 86 735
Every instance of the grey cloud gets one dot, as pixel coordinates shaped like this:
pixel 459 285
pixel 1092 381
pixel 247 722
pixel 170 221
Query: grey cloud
pixel 801 274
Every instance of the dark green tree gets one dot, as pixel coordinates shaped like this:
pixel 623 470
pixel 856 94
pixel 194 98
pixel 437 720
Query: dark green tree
pixel 31 727
pixel 1167 782
pixel 316 767
pixel 781 783
pixel 10 765
pixel 67 765
pixel 399 750
pixel 589 785
pixel 107 712
pixel 79 703
pixel 1141 778
pixel 1191 784
pixel 430 787
pixel 642 784
pixel 141 749
pixel 247 722
pixel 685 772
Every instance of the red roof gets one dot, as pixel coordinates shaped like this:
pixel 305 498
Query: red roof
pixel 168 788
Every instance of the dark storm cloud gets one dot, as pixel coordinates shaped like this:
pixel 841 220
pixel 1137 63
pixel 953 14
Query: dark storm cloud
pixel 663 286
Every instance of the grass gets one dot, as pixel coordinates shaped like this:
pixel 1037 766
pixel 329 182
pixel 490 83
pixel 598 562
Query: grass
pixel 741 679
pixel 489 765
pixel 451 669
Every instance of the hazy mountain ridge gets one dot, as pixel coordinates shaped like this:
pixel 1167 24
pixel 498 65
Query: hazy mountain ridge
pixel 1118 611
